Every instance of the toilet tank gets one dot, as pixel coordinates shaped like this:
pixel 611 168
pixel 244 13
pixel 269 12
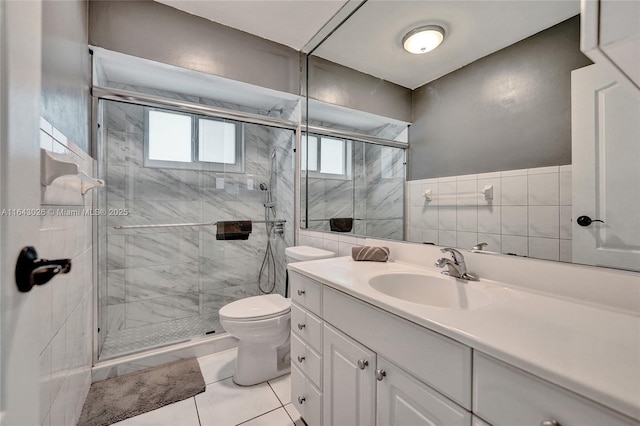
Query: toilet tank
pixel 302 253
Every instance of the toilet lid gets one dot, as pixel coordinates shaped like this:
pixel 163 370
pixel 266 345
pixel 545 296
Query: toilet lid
pixel 256 308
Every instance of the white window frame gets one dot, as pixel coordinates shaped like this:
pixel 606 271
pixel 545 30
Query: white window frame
pixel 347 158
pixel 195 163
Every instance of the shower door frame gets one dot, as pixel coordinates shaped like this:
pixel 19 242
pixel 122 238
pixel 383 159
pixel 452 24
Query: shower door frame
pixel 111 94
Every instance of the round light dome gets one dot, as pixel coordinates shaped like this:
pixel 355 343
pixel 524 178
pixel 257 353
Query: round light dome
pixel 423 39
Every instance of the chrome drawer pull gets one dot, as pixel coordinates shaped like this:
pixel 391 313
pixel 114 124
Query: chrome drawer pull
pixel 362 363
pixel 300 292
pixel 550 423
pixel 380 374
pixel 301 399
pixel 300 358
pixel 300 326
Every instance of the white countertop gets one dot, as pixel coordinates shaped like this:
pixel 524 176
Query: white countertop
pixel 589 350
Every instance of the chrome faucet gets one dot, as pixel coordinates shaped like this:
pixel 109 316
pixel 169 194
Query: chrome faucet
pixel 456 267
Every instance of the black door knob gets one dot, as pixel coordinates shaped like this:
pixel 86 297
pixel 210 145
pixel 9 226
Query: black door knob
pixel 32 271
pixel 586 221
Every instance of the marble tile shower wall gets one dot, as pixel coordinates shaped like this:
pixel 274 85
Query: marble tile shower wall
pixel 530 214
pixel 374 196
pixel 66 302
pixel 381 197
pixel 155 275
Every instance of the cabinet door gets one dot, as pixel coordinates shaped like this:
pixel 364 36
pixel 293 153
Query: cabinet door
pixel 349 381
pixel 403 400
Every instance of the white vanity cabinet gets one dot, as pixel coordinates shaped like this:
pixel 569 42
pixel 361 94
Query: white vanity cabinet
pixel 362 388
pixel 376 368
pixel 306 348
pixel 404 400
pixel 505 395
pixel 349 377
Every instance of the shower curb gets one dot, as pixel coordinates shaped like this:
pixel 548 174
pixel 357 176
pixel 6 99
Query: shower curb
pixel 139 361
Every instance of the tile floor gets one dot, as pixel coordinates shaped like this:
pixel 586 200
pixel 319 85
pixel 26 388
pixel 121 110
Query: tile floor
pixel 226 404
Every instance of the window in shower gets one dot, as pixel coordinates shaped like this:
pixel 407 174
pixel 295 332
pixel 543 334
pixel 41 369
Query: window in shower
pixel 186 141
pixel 328 157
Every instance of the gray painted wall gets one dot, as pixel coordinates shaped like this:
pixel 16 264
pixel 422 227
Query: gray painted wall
pixel 161 33
pixel 66 68
pixel 339 85
pixel 509 110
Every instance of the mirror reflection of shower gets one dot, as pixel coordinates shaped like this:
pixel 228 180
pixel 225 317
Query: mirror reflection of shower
pixel 268 262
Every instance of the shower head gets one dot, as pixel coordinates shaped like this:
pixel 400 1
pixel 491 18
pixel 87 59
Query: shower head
pixel 263 186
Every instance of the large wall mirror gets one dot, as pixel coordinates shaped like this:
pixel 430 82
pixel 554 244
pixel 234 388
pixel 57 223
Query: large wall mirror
pixel 497 136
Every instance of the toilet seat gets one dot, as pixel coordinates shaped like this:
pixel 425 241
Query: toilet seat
pixel 256 308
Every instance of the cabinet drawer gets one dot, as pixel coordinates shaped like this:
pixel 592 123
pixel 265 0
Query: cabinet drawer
pixel 306 398
pixel 438 361
pixel 306 292
pixel 403 400
pixel 307 360
pixel 307 326
pixel 505 395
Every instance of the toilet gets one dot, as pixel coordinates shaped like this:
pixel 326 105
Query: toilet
pixel 262 325
pixel 302 253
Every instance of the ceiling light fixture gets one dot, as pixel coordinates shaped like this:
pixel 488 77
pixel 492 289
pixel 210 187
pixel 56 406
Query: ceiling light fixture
pixel 423 39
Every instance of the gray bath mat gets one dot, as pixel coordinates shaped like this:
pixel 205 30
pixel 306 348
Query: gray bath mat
pixel 113 400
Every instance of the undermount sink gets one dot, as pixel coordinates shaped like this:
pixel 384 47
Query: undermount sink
pixel 430 290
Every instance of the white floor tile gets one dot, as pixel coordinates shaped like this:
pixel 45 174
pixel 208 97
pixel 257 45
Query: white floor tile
pixel 294 414
pixel 277 417
pixel 282 387
pixel 225 403
pixel 181 413
pixel 218 366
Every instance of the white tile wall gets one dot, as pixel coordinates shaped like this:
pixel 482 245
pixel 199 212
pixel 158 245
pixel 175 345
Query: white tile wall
pixel 529 215
pixel 338 243
pixel 66 302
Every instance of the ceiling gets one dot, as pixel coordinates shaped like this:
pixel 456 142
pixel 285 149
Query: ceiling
pixel 371 40
pixel 289 22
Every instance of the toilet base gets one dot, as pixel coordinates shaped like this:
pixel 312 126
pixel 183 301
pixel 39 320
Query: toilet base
pixel 259 362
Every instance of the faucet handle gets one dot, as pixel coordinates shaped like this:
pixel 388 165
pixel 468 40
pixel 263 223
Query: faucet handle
pixel 480 246
pixel 457 256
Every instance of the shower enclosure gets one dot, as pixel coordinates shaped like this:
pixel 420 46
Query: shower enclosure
pixel 368 189
pixel 164 285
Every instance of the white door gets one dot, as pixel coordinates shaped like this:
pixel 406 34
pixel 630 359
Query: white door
pixel 349 381
pixel 403 400
pixel 605 128
pixel 20 44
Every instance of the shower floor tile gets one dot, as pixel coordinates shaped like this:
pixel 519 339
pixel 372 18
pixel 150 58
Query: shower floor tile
pixel 132 340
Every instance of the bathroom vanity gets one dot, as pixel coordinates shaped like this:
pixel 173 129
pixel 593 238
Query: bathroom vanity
pixel 370 347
